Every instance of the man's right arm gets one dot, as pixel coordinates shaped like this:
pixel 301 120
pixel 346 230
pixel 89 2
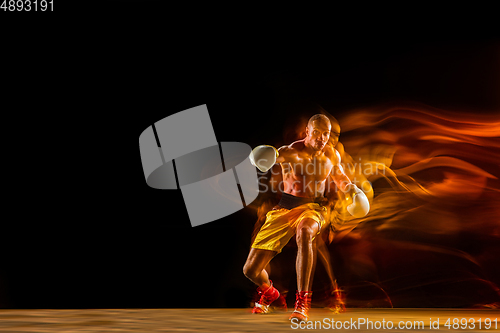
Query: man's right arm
pixel 285 153
pixel 265 156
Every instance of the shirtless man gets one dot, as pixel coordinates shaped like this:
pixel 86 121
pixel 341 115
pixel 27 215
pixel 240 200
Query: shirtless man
pixel 305 164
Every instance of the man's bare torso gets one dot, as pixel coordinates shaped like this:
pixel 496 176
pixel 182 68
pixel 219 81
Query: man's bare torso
pixel 305 173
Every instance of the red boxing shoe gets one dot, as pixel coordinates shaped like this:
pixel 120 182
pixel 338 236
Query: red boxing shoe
pixel 302 306
pixel 337 301
pixel 267 296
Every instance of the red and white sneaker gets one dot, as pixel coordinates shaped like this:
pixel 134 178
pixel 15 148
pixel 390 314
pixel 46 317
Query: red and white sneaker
pixel 267 297
pixel 302 305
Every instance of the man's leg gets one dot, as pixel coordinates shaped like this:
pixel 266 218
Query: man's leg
pixel 306 253
pixel 254 269
pixel 324 257
pixel 335 296
pixel 307 231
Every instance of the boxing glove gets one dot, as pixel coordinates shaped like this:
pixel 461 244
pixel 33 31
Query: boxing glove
pixel 360 205
pixel 263 157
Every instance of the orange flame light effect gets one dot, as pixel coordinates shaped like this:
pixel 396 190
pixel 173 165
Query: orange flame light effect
pixel 432 178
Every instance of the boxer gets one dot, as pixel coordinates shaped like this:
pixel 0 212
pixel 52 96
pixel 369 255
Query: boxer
pixel 305 165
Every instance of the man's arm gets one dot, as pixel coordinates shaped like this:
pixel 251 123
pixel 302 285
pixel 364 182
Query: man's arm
pixel 360 205
pixel 285 153
pixel 338 175
pixel 263 157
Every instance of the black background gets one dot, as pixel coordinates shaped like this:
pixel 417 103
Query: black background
pixel 90 233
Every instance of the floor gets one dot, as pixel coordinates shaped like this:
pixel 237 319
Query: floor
pixel 241 320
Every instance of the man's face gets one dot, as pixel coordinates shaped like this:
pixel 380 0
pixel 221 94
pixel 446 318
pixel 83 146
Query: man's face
pixel 335 133
pixel 317 134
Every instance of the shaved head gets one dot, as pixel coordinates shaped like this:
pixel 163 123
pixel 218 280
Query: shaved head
pixel 320 130
pixel 319 117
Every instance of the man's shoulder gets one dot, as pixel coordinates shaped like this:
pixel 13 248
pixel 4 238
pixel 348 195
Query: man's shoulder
pixel 332 154
pixel 293 147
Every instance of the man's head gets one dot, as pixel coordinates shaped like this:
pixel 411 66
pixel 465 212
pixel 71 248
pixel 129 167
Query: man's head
pixel 318 131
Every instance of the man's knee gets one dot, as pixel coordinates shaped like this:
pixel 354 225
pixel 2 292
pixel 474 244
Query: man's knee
pixel 256 262
pixel 249 271
pixel 307 230
pixel 246 270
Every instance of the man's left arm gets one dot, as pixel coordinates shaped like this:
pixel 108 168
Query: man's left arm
pixel 338 175
pixel 360 205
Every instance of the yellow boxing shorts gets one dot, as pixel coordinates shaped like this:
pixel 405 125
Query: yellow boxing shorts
pixel 281 225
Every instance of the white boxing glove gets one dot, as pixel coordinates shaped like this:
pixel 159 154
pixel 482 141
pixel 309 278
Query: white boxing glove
pixel 263 157
pixel 360 205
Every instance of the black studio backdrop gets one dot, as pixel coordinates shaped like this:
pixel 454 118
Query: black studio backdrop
pixel 111 241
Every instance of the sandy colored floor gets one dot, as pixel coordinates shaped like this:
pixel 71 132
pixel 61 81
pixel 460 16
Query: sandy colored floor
pixel 235 320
